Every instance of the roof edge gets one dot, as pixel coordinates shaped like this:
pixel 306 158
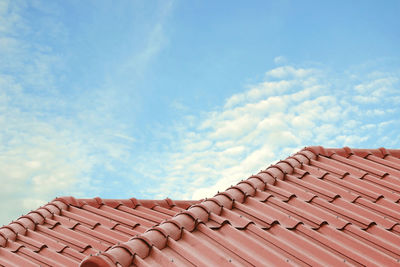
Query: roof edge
pixel 157 236
pixel 347 151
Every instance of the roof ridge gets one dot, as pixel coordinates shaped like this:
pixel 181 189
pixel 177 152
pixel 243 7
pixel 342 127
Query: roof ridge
pixel 188 219
pixel 131 202
pixel 347 151
pixel 30 220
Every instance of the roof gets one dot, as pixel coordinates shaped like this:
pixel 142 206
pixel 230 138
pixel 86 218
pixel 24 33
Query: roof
pixel 66 230
pixel 317 207
pixel 320 206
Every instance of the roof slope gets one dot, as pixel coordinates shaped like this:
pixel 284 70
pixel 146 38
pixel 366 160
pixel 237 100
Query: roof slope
pixel 317 207
pixel 66 230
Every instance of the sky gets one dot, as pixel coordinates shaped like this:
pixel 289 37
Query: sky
pixel 181 99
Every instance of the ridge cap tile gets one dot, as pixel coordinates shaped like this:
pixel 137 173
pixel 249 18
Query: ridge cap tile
pixel 23 229
pixel 346 151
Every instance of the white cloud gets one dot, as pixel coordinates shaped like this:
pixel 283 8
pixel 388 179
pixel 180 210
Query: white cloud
pixel 197 146
pixel 373 90
pixel 259 91
pixel 37 161
pixel 125 137
pixel 271 120
pixel 44 155
pixel 289 72
pixel 45 150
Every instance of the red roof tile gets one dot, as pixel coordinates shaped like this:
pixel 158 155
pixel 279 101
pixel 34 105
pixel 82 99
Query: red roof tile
pixel 318 207
pixel 66 230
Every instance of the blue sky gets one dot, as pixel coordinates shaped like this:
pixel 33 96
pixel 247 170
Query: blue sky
pixel 150 99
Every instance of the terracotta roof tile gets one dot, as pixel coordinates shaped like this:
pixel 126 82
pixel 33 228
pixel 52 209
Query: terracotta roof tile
pixel 321 206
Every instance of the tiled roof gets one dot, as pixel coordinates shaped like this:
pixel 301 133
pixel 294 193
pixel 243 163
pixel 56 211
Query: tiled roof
pixel 66 230
pixel 317 207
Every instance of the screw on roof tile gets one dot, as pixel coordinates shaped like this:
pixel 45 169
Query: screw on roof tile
pixel 172 260
pixel 287 260
pixel 230 260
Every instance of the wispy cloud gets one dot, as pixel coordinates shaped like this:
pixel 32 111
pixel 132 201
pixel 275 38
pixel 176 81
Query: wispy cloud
pixel 52 142
pixel 155 41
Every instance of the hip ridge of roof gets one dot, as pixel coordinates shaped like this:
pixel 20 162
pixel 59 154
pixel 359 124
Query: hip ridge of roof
pixel 31 220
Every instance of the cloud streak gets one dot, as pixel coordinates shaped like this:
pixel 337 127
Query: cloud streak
pixel 51 142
